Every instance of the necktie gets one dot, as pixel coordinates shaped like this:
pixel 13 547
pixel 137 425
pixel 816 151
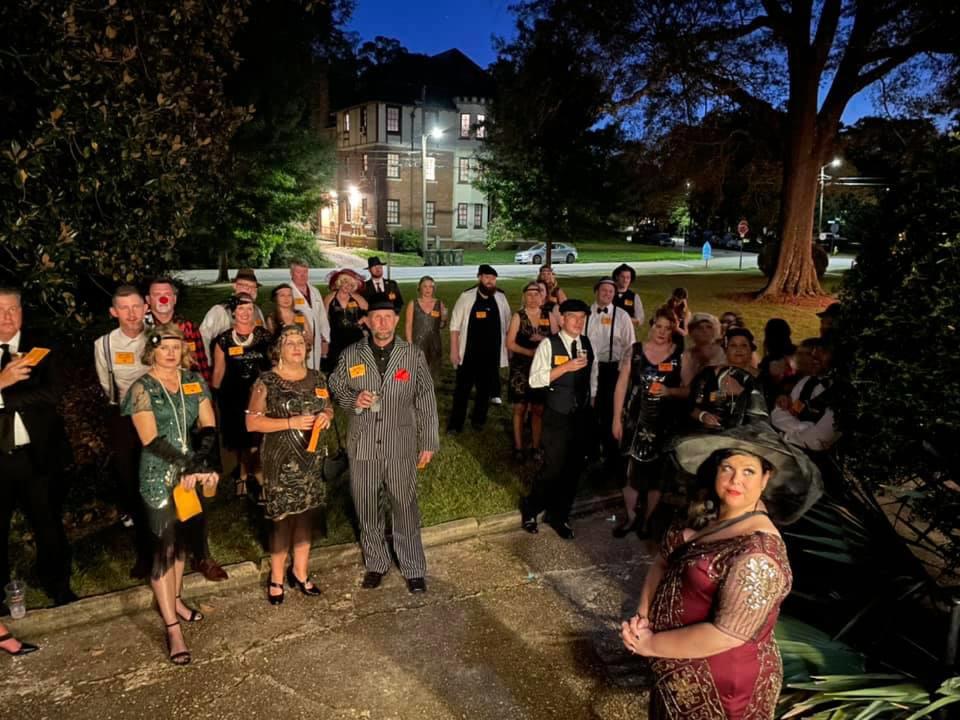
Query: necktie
pixel 7 439
pixel 5 355
pixel 573 350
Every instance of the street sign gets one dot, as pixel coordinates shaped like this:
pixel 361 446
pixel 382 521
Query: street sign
pixel 743 228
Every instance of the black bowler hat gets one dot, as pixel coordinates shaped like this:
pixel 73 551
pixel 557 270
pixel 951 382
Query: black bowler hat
pixel 486 270
pixel 574 305
pixel 373 262
pixel 380 301
pixel 604 281
pixel 624 268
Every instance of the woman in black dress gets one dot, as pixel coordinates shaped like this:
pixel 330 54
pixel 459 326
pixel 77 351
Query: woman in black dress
pixel 645 403
pixel 523 337
pixel 426 316
pixel 725 396
pixel 346 308
pixel 240 354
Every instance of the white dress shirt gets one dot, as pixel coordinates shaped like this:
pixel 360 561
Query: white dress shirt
pixel 20 434
pixel 318 323
pixel 820 435
pixel 542 362
pixel 600 325
pixel 460 320
pixel 125 358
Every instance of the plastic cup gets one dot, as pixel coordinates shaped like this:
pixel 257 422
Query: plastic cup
pixel 375 404
pixel 209 490
pixel 16 592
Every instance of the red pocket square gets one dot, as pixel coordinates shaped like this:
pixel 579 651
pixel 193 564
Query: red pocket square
pixel 402 375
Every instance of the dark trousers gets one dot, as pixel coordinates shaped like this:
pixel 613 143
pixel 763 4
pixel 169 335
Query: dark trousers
pixel 127 447
pixel 482 373
pixel 24 485
pixel 555 488
pixel 607 374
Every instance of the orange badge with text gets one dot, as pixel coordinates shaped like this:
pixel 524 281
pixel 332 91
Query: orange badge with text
pixel 357 370
pixel 235 350
pixel 322 393
pixel 560 360
pixel 665 367
pixel 124 358
pixel 481 314
pixel 192 388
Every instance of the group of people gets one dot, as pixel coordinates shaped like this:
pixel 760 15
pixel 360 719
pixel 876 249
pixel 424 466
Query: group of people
pixel 693 392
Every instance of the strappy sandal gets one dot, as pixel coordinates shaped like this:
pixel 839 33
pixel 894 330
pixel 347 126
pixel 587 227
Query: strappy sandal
pixel 195 615
pixel 275 599
pixel 180 658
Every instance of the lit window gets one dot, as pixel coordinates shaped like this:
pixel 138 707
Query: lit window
pixel 393 119
pixel 393 165
pixel 363 120
pixel 464 125
pixel 346 121
pixel 464 172
pixel 393 212
pixel 481 130
pixel 430 169
pixel 462 215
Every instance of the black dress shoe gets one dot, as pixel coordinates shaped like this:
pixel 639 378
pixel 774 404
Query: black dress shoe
pixel 416 585
pixel 530 525
pixel 25 647
pixel 294 582
pixel 371 580
pixel 627 527
pixel 563 530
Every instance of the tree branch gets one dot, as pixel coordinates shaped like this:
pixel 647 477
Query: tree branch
pixel 780 21
pixel 733 32
pixel 826 31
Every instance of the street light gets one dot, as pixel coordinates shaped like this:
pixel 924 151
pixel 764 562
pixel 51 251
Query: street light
pixel 835 163
pixel 436 134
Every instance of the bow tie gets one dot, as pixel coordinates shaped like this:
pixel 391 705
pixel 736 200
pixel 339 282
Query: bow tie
pixel 602 310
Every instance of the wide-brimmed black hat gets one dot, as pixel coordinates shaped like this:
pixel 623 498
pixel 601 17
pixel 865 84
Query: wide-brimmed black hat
pixel 373 261
pixel 379 301
pixel 624 268
pixel 486 270
pixel 574 305
pixel 794 486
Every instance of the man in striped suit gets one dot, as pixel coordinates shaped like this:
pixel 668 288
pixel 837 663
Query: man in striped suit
pixel 393 432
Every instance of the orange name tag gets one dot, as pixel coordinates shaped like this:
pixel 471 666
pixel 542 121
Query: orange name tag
pixel 434 313
pixel 322 393
pixel 606 321
pixel 713 397
pixel 300 301
pixel 392 296
pixel 259 322
pixel 300 320
pixel 797 406
pixel 655 387
pixel 192 389
pixel 192 346
pixel 235 350
pixel 481 314
pixel 123 358
pixel 358 370
pixel 665 367
pixel 560 360
pixel 352 304
pixel 33 357
pixel 543 322
pixel 628 303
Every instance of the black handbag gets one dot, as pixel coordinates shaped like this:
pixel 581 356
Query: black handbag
pixel 337 463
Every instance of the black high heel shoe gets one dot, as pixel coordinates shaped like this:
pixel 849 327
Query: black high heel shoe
pixel 25 647
pixel 275 599
pixel 182 657
pixel 194 616
pixel 294 582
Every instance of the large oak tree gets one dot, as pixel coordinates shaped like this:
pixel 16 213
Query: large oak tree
pixel 797 63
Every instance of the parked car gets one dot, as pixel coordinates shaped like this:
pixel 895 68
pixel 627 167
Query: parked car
pixel 660 238
pixel 538 254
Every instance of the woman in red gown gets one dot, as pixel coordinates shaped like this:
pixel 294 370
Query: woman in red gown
pixel 710 602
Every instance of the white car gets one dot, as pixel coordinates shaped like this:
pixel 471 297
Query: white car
pixel 538 254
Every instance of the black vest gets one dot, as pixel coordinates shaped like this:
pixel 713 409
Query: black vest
pixel 813 409
pixel 627 301
pixel 569 392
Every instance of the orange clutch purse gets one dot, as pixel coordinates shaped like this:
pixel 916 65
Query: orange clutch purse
pixel 186 503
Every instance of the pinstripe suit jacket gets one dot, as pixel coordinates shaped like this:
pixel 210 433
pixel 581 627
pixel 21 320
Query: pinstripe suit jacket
pixel 407 422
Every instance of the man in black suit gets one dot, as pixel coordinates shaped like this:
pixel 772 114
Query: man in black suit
pixel 32 448
pixel 379 285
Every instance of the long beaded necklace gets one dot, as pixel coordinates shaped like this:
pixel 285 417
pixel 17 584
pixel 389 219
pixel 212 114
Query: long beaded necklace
pixel 181 429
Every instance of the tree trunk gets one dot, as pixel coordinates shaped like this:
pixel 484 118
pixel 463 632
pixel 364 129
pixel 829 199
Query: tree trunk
pixel 223 274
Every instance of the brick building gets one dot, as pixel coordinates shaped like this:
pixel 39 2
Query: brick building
pixel 379 155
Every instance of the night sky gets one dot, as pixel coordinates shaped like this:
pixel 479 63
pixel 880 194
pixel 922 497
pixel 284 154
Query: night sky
pixel 432 26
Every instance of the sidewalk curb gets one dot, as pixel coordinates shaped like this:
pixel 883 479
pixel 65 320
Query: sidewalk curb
pixel 243 575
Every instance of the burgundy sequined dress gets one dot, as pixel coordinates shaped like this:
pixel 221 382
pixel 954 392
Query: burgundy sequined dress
pixel 737 583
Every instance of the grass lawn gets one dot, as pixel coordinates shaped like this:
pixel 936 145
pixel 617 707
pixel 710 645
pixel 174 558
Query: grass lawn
pixel 398 259
pixel 472 475
pixel 588 252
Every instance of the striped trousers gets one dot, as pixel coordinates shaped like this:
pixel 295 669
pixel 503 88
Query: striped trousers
pixel 399 478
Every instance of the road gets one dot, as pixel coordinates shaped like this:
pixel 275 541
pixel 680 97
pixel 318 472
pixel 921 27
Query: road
pixel 724 261
pixel 513 627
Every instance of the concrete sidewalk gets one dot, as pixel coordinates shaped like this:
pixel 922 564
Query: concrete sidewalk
pixel 513 626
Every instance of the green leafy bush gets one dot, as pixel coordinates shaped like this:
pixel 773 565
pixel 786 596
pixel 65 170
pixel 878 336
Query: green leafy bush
pixel 407 240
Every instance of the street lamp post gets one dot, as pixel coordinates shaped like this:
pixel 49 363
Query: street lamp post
pixel 836 162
